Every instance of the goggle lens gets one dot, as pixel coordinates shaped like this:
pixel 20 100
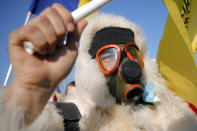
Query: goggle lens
pixel 133 51
pixel 108 58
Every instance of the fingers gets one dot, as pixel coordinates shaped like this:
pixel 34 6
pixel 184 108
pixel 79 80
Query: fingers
pixel 45 31
pixel 44 26
pixel 58 24
pixel 28 33
pixel 66 17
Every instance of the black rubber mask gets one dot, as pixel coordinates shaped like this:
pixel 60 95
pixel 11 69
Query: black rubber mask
pixel 125 83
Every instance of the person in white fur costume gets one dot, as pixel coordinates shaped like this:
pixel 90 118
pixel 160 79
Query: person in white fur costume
pixel 109 97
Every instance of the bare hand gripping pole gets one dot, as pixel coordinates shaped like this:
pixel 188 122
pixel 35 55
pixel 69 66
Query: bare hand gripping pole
pixel 77 14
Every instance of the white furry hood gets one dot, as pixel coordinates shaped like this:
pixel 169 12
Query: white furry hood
pixel 171 113
pixel 89 78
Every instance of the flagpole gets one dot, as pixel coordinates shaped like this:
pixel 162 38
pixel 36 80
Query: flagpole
pixel 28 17
pixel 10 67
pixel 7 76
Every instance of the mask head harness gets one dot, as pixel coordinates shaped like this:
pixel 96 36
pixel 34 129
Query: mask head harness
pixel 120 60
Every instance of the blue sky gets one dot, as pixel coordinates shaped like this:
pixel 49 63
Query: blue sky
pixel 151 15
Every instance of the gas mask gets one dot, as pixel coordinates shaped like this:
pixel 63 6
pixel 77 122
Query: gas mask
pixel 120 61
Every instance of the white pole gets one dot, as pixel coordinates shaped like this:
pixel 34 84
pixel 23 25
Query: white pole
pixel 7 76
pixel 10 67
pixel 88 8
pixel 27 18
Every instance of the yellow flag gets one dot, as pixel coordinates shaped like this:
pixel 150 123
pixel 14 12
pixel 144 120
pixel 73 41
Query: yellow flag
pixel 177 48
pixel 83 2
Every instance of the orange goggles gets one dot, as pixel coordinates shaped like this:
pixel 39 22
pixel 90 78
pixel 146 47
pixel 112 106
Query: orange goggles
pixel 109 56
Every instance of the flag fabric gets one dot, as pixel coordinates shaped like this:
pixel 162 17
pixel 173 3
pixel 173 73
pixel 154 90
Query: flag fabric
pixel 57 96
pixel 177 48
pixel 38 6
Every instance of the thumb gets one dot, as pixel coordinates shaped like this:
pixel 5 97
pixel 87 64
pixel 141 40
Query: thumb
pixel 81 25
pixel 73 37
